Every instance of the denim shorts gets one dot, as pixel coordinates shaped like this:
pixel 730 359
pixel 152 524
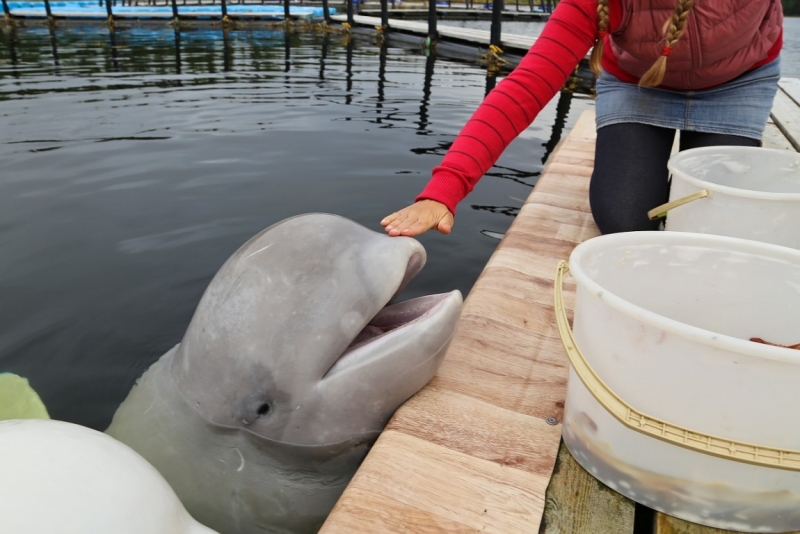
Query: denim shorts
pixel 739 107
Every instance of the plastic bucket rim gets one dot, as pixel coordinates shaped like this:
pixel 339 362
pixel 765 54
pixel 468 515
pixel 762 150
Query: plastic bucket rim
pixel 733 191
pixel 673 326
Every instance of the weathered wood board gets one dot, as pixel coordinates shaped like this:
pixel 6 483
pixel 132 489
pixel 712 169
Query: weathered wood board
pixel 473 451
pixel 578 503
pixel 670 525
pixel 517 42
pixel 786 110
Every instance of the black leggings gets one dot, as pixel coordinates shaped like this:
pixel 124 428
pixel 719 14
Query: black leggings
pixel 630 172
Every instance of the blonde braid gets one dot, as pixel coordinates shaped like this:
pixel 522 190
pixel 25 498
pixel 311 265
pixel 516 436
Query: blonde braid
pixel 673 29
pixel 596 60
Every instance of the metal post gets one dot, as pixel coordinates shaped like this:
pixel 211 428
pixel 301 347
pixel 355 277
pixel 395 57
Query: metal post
pixel 497 13
pixel 286 17
pixel 108 11
pixel 6 10
pixel 491 83
pixel 384 14
pixel 350 20
pixel 433 33
pixel 224 10
pixel 326 12
pixel 47 9
pixel 175 11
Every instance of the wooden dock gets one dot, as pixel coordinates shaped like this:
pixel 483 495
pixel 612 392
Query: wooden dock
pixel 517 43
pixel 479 449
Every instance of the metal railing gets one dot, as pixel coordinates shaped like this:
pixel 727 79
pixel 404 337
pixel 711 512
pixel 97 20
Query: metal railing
pixel 351 7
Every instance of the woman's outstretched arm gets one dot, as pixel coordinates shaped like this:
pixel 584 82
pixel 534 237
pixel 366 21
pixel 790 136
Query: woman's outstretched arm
pixel 502 116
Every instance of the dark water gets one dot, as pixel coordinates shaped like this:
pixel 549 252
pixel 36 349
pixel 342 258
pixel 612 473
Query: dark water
pixel 133 164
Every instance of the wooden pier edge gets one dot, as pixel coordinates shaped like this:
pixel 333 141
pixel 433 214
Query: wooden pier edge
pixel 474 451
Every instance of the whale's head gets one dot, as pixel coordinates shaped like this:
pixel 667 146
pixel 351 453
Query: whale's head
pixel 295 339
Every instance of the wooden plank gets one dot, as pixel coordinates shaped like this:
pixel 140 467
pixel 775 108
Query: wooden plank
pixel 786 114
pixel 364 511
pixel 671 525
pixel 601 510
pixel 774 138
pixel 473 450
pixel 516 42
pixel 791 86
pixel 481 495
pixel 471 427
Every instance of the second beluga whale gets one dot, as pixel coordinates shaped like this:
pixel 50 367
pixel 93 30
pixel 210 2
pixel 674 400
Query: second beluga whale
pixel 291 366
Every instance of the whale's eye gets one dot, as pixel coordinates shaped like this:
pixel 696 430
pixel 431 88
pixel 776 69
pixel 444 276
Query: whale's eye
pixel 263 409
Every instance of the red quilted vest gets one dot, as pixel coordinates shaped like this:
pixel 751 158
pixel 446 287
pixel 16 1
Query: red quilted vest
pixel 723 39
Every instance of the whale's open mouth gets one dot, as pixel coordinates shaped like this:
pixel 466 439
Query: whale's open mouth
pixel 394 317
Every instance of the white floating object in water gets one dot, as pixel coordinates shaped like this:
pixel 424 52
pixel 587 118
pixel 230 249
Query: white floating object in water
pixel 61 478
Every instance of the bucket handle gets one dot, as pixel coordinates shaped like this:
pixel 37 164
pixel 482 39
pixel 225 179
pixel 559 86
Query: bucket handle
pixel 661 211
pixel 652 426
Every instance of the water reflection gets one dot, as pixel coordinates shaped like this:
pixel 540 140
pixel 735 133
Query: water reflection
pixel 422 124
pixel 112 37
pixel 326 42
pixel 351 43
pixel 177 51
pixel 382 54
pixel 136 160
pixel 12 49
pixel 562 111
pixel 227 52
pixel 54 47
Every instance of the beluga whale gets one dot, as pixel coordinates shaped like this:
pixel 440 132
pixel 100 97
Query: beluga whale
pixel 290 368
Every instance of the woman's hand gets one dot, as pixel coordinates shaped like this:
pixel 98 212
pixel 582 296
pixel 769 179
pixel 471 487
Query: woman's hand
pixel 418 218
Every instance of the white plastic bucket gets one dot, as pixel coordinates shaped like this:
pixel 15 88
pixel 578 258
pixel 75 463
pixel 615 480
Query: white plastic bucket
pixel 752 193
pixel 706 420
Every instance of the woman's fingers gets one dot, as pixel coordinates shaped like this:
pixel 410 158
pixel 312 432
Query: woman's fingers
pixel 445 225
pixel 419 218
pixel 389 219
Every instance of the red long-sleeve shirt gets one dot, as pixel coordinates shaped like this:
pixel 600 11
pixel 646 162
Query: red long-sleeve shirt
pixel 516 101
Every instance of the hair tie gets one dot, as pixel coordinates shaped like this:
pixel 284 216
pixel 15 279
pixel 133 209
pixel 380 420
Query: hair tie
pixel 666 51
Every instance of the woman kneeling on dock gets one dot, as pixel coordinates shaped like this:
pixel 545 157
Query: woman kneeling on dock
pixel 708 68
